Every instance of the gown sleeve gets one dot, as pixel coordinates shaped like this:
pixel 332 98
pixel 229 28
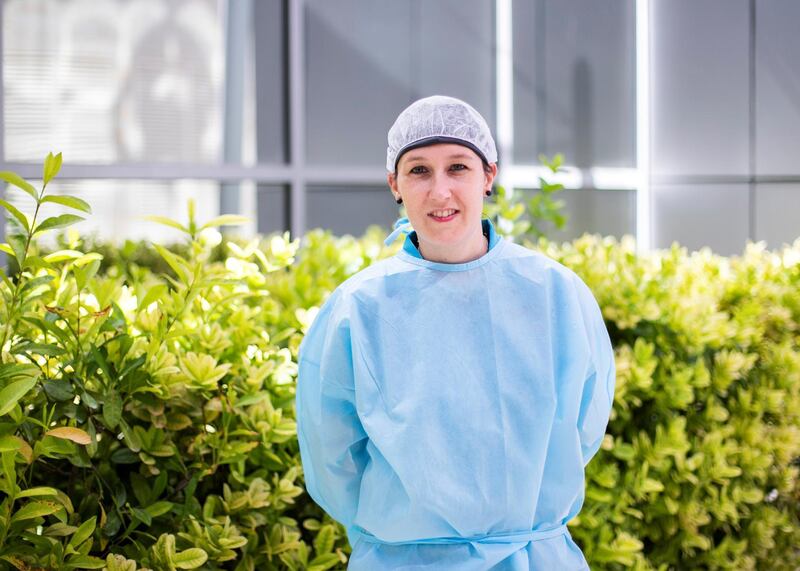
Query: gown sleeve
pixel 597 396
pixel 331 437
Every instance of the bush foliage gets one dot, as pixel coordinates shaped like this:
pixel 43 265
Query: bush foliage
pixel 146 401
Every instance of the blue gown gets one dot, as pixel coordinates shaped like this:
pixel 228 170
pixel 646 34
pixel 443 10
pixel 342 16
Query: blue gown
pixel 446 412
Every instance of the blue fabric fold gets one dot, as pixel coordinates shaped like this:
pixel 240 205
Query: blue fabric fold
pixel 402 225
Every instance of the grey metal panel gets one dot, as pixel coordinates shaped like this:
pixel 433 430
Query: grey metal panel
pixel 452 43
pixel 270 80
pixel 695 216
pixel 358 70
pixel 350 210
pixel 272 208
pixel 700 86
pixel 528 47
pixel 778 87
pixel 777 213
pixel 606 212
pixel 575 81
pixel 366 61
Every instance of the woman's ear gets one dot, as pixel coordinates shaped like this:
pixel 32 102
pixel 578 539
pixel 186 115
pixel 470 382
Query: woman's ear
pixel 392 180
pixel 491 174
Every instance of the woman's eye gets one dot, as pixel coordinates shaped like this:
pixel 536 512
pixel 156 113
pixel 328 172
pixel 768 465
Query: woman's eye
pixel 458 167
pixel 418 170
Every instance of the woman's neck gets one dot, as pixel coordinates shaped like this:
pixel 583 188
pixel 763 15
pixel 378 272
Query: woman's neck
pixel 477 247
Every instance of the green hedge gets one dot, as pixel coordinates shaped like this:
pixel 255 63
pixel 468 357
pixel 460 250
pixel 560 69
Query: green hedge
pixel 146 419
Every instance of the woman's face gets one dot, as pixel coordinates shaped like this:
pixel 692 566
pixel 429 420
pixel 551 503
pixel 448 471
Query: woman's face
pixel 433 182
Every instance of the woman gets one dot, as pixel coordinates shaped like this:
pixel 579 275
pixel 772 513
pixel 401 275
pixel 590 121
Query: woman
pixel 449 397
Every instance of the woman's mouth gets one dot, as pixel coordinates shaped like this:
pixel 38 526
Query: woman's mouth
pixel 443 215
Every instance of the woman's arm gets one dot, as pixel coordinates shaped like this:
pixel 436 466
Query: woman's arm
pixel 332 440
pixel 597 396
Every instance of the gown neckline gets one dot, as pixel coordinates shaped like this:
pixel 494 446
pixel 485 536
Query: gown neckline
pixel 410 252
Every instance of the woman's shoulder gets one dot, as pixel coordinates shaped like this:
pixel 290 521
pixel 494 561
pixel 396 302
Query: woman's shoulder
pixel 536 264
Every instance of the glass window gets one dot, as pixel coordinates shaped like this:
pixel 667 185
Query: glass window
pixel 606 212
pixel 367 61
pixel 698 215
pixel 113 81
pixel 271 55
pixel 350 210
pixel 777 88
pixel 700 88
pixel 119 206
pixel 575 81
pixel 272 208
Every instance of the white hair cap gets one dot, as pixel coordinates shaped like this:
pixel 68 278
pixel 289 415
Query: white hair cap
pixel 439 119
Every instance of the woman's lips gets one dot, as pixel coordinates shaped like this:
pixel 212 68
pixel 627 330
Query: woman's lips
pixel 444 219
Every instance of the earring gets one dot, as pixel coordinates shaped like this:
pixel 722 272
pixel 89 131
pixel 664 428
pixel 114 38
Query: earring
pixel 399 200
pixel 489 192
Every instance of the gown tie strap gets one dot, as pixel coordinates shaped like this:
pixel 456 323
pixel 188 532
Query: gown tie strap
pixel 500 537
pixel 402 225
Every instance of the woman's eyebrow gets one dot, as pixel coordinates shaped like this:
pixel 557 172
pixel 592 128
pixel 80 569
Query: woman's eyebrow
pixel 460 156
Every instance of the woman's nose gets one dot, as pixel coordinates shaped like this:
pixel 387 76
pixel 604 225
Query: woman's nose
pixel 441 187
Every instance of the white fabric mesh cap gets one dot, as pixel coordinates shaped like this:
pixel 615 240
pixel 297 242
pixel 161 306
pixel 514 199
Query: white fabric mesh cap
pixel 439 119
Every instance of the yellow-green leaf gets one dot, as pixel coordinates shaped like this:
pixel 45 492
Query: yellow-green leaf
pixel 167 222
pixel 71 201
pixel 38 491
pixel 11 394
pixel 58 222
pixel 19 182
pixel 35 509
pixel 17 214
pixel 76 435
pixel 52 164
pixel 225 219
pixel 190 559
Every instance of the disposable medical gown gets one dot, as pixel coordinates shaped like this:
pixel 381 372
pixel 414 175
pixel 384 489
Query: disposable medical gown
pixel 445 412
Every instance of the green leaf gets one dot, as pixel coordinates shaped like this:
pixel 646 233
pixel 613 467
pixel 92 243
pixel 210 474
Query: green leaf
pixel 140 489
pixel 84 562
pixel 17 214
pixel 18 243
pixel 59 221
pixel 59 529
pixel 101 362
pixel 190 559
pixel 70 201
pixel 86 258
pixel 33 510
pixel 225 219
pixel 323 562
pixel 167 222
pixel 159 508
pixel 9 443
pixel 323 543
pixel 37 492
pixel 119 563
pixel 39 349
pixel 84 274
pixel 62 255
pixel 175 262
pixel 142 516
pixel 52 164
pixel 153 294
pixel 11 394
pixel 10 371
pixel 84 532
pixel 112 409
pixel 59 390
pixel 19 182
pixel 36 282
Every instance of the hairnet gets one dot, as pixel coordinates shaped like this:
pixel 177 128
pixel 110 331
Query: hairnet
pixel 439 119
